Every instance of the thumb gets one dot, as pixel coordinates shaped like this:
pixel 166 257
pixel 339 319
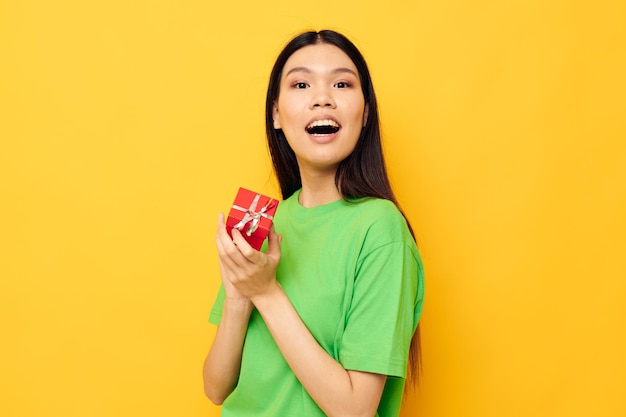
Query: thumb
pixel 273 243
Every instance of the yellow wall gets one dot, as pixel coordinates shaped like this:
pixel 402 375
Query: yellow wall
pixel 125 127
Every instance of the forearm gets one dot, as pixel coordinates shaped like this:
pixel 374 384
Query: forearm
pixel 223 363
pixel 337 392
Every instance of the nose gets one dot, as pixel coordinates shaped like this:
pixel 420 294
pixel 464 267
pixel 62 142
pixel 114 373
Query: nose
pixel 322 97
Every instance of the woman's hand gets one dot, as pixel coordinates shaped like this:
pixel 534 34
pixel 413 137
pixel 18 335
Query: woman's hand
pixel 231 291
pixel 246 272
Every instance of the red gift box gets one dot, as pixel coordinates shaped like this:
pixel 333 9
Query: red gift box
pixel 252 215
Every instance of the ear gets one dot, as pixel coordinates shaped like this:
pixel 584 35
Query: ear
pixel 366 113
pixel 275 116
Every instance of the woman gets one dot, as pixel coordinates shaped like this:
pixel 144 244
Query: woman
pixel 321 321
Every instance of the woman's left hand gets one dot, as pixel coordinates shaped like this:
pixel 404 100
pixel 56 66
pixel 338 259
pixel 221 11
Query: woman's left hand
pixel 251 272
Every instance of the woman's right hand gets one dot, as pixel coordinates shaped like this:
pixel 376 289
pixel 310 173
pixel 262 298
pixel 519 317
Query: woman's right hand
pixel 231 292
pixel 223 363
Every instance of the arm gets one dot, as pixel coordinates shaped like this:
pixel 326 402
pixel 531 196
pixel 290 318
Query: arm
pixel 337 391
pixel 223 363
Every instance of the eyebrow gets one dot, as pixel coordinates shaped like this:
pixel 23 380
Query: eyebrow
pixel 308 70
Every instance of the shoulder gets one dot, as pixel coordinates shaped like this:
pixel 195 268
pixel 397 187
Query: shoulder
pixel 380 214
pixel 383 222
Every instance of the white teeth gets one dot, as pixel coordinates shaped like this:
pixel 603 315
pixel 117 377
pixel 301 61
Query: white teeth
pixel 327 122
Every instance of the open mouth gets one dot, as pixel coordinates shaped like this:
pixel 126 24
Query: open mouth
pixel 323 127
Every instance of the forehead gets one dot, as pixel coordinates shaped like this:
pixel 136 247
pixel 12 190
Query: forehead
pixel 320 57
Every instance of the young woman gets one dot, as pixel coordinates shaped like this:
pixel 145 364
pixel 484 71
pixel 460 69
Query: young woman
pixel 323 320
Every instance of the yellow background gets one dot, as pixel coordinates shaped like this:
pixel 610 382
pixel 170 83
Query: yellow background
pixel 126 127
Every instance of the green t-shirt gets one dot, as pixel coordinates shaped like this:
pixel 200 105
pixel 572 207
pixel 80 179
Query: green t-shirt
pixel 353 273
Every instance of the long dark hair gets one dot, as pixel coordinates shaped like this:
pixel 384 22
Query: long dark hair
pixel 363 173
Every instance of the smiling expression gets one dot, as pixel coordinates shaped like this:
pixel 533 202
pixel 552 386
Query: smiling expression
pixel 320 108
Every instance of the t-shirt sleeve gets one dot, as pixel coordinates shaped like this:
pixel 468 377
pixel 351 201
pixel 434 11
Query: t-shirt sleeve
pixel 384 311
pixel 215 316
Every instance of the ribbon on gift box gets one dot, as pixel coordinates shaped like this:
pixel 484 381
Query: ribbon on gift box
pixel 252 215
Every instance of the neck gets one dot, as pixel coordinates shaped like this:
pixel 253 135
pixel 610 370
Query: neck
pixel 318 188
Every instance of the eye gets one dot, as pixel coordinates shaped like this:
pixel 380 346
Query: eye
pixel 299 85
pixel 343 84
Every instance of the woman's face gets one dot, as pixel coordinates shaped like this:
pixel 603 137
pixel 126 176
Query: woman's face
pixel 320 108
